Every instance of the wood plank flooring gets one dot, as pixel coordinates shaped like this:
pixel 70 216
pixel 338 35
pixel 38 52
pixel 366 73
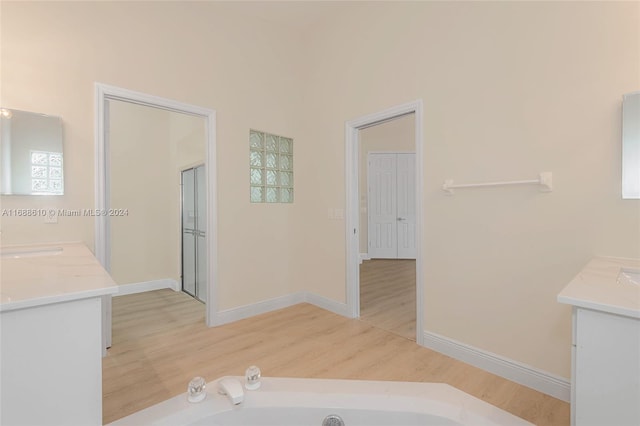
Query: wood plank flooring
pixel 160 342
pixel 388 295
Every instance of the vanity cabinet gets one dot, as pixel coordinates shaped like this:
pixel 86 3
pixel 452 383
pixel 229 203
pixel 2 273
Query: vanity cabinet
pixel 605 354
pixel 51 335
pixel 51 364
pixel 606 369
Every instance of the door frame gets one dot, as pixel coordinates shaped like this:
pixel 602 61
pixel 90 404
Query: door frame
pixel 352 228
pixel 105 92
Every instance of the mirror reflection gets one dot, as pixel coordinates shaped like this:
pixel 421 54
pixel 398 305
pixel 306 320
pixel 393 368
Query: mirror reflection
pixel 30 153
pixel 156 171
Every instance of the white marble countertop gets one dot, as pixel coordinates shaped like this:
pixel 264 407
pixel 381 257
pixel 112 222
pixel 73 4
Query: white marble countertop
pixel 41 274
pixel 597 287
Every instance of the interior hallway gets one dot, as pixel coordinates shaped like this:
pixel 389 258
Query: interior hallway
pixel 388 295
pixel 160 342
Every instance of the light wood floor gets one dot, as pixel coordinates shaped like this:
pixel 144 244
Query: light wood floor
pixel 160 342
pixel 388 295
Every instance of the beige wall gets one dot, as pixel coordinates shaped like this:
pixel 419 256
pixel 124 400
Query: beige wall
pixel 188 143
pixel 140 180
pixel 397 135
pixel 148 149
pixel 509 89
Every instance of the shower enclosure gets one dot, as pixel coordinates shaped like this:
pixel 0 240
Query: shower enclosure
pixel 194 260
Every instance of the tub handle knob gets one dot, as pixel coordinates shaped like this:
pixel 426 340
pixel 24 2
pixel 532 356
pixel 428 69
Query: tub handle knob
pixel 195 390
pixel 252 378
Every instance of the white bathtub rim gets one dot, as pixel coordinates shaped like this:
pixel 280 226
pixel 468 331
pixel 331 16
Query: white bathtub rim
pixel 437 399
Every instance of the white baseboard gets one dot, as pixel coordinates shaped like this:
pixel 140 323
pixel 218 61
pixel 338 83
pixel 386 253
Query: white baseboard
pixel 557 387
pixel 143 286
pixel 247 311
pixel 327 304
pixel 364 256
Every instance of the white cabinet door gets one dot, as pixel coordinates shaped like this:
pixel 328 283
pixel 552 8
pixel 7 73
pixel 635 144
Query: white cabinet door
pixel 391 206
pixel 607 369
pixel 51 369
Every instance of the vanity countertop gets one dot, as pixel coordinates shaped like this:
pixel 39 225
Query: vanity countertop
pixel 597 287
pixel 41 274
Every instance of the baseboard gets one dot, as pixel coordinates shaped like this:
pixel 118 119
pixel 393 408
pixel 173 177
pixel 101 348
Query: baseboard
pixel 247 311
pixel 557 387
pixel 143 286
pixel 327 304
pixel 364 256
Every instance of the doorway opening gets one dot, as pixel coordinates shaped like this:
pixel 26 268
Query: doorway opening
pixel 103 223
pixel 384 219
pixel 387 225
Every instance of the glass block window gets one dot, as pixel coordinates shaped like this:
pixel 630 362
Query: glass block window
pixel 271 168
pixel 46 172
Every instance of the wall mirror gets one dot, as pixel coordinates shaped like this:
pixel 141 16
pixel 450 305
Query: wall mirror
pixel 30 153
pixel 631 146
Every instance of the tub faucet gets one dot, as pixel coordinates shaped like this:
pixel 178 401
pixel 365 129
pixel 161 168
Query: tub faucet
pixel 232 388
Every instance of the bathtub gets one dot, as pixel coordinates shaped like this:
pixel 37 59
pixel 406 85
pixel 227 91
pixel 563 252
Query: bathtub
pixel 298 402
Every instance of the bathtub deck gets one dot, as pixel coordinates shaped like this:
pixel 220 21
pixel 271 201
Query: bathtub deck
pixel 160 342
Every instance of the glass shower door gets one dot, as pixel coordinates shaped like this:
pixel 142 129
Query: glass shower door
pixel 188 232
pixel 194 247
pixel 200 234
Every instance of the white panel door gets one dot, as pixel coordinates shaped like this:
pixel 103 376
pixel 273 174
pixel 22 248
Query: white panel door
pixel 406 205
pixel 382 229
pixel 392 206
